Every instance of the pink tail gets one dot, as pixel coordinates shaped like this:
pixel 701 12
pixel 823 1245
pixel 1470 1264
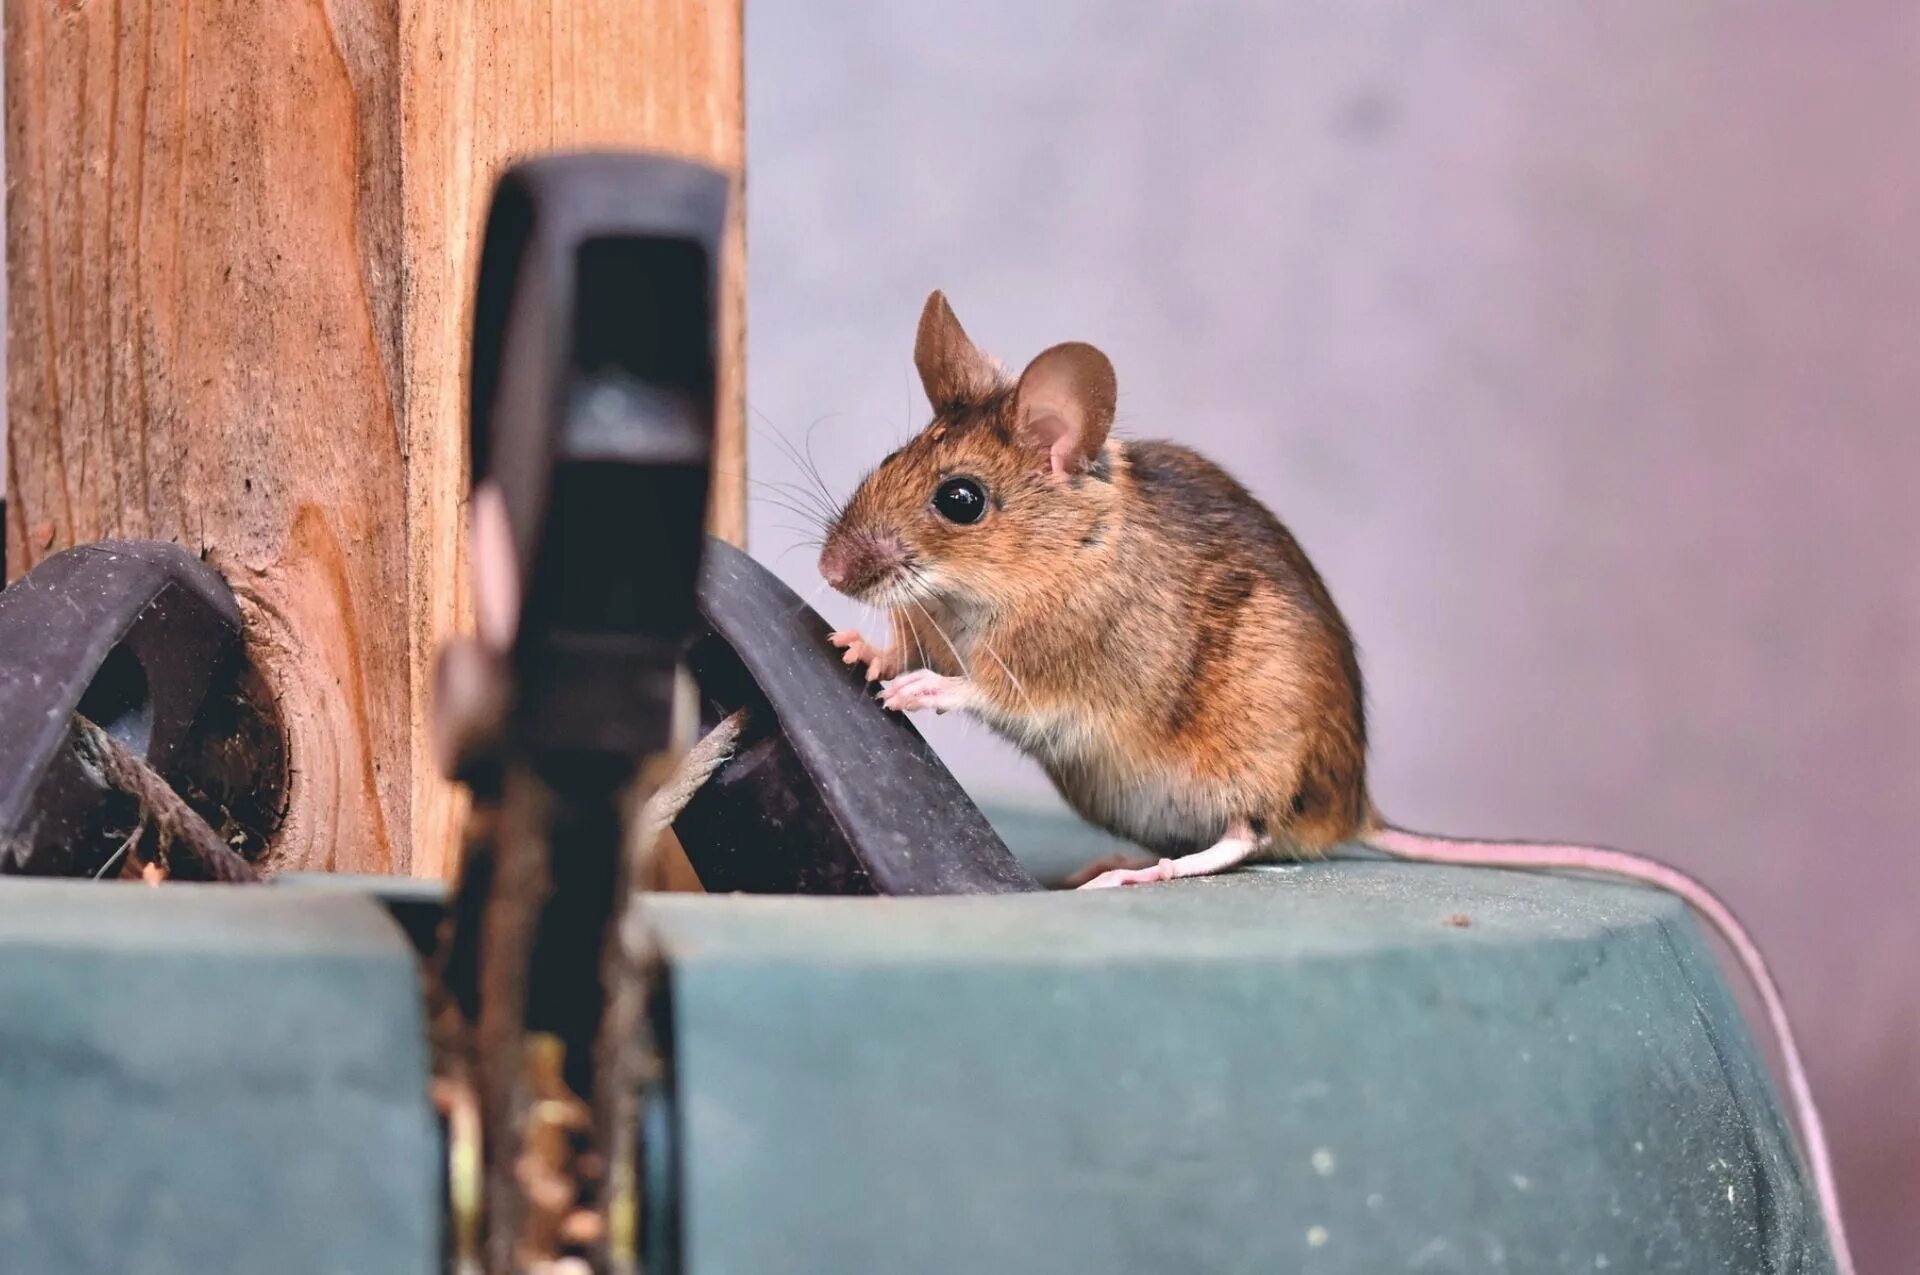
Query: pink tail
pixel 1617 863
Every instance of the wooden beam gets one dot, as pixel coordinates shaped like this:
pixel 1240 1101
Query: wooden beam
pixel 240 238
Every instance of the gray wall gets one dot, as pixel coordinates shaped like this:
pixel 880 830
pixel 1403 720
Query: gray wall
pixel 1579 344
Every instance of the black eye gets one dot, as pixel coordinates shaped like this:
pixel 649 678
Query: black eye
pixel 960 500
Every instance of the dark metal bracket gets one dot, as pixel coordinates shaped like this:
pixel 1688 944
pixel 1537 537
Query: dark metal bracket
pixel 133 635
pixel 827 793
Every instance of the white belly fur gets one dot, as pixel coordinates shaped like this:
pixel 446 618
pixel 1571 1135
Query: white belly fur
pixel 1160 812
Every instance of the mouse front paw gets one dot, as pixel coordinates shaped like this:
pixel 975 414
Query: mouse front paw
pixel 881 663
pixel 924 688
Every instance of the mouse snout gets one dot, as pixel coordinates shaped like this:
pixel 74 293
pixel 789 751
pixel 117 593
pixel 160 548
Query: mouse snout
pixel 857 560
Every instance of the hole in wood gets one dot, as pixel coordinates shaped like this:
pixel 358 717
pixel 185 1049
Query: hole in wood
pixel 233 770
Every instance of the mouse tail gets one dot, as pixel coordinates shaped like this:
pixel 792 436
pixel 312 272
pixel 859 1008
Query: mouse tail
pixel 1425 848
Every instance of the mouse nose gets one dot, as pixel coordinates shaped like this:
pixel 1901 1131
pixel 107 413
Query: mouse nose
pixel 858 560
pixel 836 563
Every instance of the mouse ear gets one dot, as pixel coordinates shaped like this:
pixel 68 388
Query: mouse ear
pixel 1064 406
pixel 952 371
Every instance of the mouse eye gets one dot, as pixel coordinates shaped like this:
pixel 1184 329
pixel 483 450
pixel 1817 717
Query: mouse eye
pixel 960 500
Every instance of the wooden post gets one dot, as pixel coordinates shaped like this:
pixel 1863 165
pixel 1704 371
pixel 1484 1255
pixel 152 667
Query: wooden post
pixel 240 244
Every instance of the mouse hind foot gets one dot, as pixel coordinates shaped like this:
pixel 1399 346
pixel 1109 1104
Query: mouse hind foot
pixel 1240 844
pixel 1086 872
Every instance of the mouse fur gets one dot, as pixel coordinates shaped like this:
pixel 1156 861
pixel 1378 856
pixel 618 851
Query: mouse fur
pixel 1127 613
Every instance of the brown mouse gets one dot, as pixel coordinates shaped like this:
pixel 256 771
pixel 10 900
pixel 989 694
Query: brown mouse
pixel 1141 625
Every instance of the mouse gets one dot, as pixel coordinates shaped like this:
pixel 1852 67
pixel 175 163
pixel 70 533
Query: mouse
pixel 1138 623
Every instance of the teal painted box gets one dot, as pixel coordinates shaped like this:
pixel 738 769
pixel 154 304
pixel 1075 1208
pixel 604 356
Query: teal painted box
pixel 1345 1067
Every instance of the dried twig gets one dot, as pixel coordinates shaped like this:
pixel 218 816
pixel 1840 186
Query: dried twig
pixel 113 860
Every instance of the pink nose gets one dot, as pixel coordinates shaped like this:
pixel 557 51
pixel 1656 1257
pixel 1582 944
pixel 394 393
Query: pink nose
pixel 836 563
pixel 858 559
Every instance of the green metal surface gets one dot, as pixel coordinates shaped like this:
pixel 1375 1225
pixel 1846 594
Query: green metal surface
pixel 1353 1067
pixel 1346 1067
pixel 207 1080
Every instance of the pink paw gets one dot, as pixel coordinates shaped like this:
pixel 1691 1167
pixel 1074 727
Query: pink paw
pixel 924 688
pixel 881 664
pixel 1161 871
pixel 1086 872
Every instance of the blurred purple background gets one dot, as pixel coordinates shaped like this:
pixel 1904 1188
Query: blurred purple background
pixel 1580 345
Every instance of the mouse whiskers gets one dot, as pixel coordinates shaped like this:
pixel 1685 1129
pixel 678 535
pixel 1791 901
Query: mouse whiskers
pixel 806 539
pixel 912 631
pixel 810 599
pixel 916 589
pixel 815 491
pixel 1031 706
pixel 793 499
pixel 958 658
pixel 917 582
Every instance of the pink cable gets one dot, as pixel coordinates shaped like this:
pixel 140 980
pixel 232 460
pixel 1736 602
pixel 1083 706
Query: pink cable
pixel 1618 863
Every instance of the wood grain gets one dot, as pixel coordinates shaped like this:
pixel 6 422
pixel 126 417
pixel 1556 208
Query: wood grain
pixel 240 238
